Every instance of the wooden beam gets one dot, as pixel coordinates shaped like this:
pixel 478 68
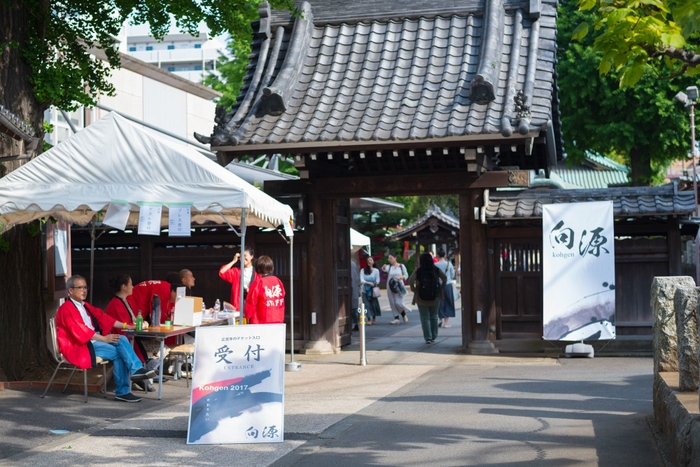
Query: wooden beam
pixel 389 185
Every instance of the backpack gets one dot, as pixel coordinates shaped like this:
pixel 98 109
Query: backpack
pixel 428 285
pixel 394 285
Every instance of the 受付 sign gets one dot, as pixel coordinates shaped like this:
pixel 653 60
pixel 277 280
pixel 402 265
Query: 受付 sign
pixel 238 385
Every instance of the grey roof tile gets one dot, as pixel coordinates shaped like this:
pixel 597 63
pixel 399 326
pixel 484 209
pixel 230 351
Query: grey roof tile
pixel 401 77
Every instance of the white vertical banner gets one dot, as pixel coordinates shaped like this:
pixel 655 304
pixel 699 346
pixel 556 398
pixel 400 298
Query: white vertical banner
pixel 117 214
pixel 578 249
pixel 238 385
pixel 179 220
pixel 149 218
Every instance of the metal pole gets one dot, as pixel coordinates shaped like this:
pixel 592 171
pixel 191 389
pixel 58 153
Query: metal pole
pixel 363 350
pixel 291 365
pixel 242 288
pixel 92 257
pixel 695 189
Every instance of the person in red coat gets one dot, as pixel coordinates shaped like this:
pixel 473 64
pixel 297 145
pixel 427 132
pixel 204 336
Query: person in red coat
pixel 142 295
pixel 265 301
pixel 83 333
pixel 231 272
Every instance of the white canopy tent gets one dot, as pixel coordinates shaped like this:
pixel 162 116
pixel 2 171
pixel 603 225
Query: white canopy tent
pixel 115 161
pixel 358 240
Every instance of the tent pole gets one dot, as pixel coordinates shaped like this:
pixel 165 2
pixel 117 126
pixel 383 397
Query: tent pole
pixel 92 258
pixel 242 265
pixel 292 365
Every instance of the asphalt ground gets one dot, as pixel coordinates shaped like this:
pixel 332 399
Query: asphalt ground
pixel 413 404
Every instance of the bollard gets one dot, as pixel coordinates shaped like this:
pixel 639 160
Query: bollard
pixel 362 313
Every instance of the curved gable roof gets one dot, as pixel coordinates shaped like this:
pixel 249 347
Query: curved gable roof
pixel 446 75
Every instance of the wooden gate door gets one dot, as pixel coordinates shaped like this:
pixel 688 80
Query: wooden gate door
pixel 518 288
pixel 341 247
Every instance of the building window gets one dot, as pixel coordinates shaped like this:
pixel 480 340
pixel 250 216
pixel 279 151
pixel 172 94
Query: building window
pixel 171 47
pixel 171 69
pixel 198 68
pixel 149 47
pixel 132 49
pixel 198 46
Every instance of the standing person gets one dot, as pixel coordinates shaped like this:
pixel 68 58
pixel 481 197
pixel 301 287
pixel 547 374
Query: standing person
pixel 231 272
pixel 83 333
pixel 395 290
pixel 369 278
pixel 264 303
pixel 447 305
pixel 428 290
pixel 355 294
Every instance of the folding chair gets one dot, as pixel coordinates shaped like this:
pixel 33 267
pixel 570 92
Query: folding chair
pixel 63 364
pixel 186 350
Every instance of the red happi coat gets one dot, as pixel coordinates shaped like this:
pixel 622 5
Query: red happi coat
pixel 232 276
pixel 265 301
pixel 142 297
pixel 73 336
pixel 117 310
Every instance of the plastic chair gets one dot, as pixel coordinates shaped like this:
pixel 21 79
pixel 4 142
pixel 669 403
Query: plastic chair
pixel 64 364
pixel 186 350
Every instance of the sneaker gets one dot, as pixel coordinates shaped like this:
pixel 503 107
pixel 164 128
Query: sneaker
pixel 405 318
pixel 142 374
pixel 428 342
pixel 128 397
pixel 356 328
pixel 439 324
pixel 396 321
pixel 446 326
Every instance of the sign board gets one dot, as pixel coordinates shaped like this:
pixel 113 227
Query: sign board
pixel 238 385
pixel 149 219
pixel 188 311
pixel 578 248
pixel 179 220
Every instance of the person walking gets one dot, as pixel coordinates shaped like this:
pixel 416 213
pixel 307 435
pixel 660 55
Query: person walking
pixel 369 279
pixel 447 305
pixel 395 290
pixel 428 283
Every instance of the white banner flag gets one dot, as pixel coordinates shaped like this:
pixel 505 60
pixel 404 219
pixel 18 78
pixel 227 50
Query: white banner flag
pixel 149 219
pixel 578 249
pixel 117 214
pixel 179 220
pixel 238 385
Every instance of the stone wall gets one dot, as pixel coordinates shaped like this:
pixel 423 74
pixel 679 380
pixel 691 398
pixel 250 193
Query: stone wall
pixel 686 300
pixel 663 291
pixel 677 417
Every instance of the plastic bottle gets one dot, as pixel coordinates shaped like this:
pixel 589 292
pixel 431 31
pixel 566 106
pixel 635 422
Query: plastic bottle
pixel 139 322
pixel 217 307
pixel 155 310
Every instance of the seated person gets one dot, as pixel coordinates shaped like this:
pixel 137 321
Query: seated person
pixel 187 279
pixel 81 333
pixel 265 301
pixel 231 273
pixel 119 309
pixel 143 292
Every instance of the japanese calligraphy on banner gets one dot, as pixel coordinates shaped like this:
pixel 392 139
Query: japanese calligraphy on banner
pixel 238 385
pixel 149 219
pixel 179 220
pixel 578 249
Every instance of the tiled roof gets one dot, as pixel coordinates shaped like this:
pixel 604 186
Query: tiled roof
pixel 432 212
pixel 453 71
pixel 590 178
pixel 606 162
pixel 627 201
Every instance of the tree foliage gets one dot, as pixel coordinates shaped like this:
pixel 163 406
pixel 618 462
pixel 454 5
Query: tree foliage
pixel 230 71
pixel 58 41
pixel 636 35
pixel 644 124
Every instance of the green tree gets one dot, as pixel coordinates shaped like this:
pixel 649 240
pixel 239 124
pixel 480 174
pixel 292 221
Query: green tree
pixel 644 124
pixel 230 71
pixel 45 60
pixel 634 36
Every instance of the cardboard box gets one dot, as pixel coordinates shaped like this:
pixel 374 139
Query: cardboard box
pixel 188 311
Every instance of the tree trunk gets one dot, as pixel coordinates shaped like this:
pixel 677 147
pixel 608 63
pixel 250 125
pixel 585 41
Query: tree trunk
pixel 22 318
pixel 640 161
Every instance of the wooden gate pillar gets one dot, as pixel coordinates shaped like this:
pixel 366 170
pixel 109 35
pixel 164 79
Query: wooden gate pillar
pixel 476 294
pixel 322 335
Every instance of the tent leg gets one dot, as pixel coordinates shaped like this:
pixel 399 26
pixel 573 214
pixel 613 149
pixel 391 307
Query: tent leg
pixel 291 365
pixel 242 300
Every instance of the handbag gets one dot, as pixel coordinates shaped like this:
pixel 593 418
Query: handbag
pixel 376 292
